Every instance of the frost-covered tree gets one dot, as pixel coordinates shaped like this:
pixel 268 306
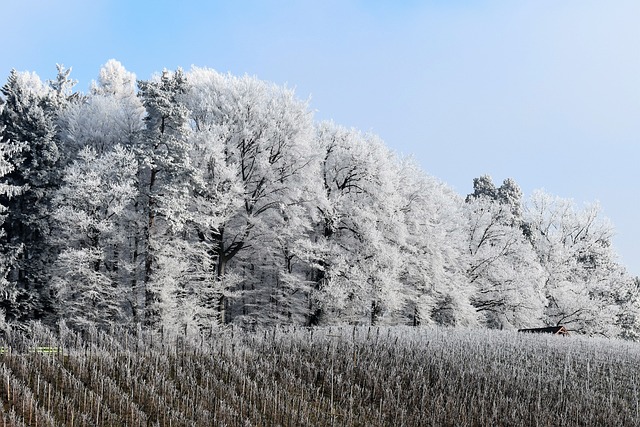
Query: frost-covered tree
pixel 508 194
pixel 111 114
pixel 108 117
pixel 163 173
pixel 11 298
pixel 434 253
pixel 201 198
pixel 29 120
pixel 97 191
pixel 628 318
pixel 188 290
pixel 503 267
pixel 62 86
pixel 483 187
pixel 357 276
pixel 502 264
pixel 257 181
pixel 584 283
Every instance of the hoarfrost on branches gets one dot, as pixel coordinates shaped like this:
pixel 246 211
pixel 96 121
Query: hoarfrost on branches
pixel 197 199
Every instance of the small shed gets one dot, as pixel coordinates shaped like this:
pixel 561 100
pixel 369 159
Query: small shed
pixel 555 330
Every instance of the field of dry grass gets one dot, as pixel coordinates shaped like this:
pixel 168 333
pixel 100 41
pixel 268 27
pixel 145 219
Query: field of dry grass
pixel 317 377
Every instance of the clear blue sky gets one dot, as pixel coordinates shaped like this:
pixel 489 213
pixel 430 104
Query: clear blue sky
pixel 545 92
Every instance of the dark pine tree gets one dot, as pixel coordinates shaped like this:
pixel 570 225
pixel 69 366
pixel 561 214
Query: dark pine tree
pixel 28 118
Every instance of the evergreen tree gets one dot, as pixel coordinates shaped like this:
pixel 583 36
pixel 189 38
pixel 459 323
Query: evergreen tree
pixel 11 297
pixel 63 88
pixel 509 194
pixel 164 171
pixel 29 120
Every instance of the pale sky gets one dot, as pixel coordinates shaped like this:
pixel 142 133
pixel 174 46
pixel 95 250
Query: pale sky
pixel 544 92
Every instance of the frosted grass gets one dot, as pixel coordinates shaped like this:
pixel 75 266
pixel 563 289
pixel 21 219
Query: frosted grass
pixel 318 377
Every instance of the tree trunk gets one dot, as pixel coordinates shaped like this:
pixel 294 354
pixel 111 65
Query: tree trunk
pixel 221 302
pixel 149 295
pixel 376 311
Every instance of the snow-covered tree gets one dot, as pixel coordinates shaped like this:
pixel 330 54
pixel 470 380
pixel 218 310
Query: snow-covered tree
pixel 62 87
pixel 164 171
pixel 202 198
pixel 584 283
pixel 29 120
pixel 628 318
pixel 188 289
pixel 360 229
pixel 508 194
pixel 111 114
pixel 10 296
pixel 260 172
pixel 434 252
pixel 503 267
pixel 98 189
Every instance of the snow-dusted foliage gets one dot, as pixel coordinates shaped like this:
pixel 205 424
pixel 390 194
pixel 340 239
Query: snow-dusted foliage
pixel 163 180
pixel 434 251
pixel 197 199
pixel 503 267
pixel 586 287
pixel 358 272
pixel 28 121
pixel 390 238
pixel 257 180
pixel 111 114
pixel 8 291
pixel 89 209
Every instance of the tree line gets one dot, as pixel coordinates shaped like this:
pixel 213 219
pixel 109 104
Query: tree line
pixel 197 199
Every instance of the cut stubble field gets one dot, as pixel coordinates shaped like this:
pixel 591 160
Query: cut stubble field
pixel 346 376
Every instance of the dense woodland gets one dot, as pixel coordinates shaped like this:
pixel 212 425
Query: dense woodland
pixel 198 199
